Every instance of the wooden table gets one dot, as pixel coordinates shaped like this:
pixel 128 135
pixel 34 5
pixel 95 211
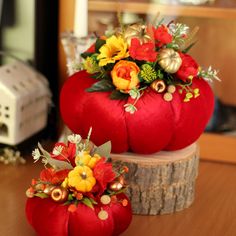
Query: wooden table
pixel 212 214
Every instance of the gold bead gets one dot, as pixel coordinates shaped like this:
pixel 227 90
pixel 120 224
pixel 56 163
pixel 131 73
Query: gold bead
pixel 105 199
pixel 158 86
pixel 168 97
pixel 171 88
pixel 121 180
pixel 59 194
pixel 48 189
pixel 103 215
pixel 29 193
pixel 115 186
pixel 39 187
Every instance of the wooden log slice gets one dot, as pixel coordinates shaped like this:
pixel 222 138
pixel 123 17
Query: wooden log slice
pixel 160 183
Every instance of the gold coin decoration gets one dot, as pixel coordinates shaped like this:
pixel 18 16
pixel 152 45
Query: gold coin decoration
pixel 103 215
pixel 158 86
pixel 169 60
pixel 105 199
pixel 59 194
pixel 171 88
pixel 168 97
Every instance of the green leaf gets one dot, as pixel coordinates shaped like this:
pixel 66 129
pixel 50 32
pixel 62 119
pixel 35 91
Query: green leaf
pixel 45 153
pixel 104 150
pixel 101 86
pixel 86 201
pixel 117 95
pixel 117 192
pixel 98 44
pixel 93 201
pixel 96 75
pixel 59 165
pixel 41 195
pixel 140 77
pixel 189 47
pixel 70 197
pixel 66 203
pixel 86 54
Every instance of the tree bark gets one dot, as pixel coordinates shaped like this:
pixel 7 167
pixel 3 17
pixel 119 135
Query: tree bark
pixel 160 183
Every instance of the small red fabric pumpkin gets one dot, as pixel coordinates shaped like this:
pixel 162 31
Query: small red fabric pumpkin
pixel 49 218
pixel 156 125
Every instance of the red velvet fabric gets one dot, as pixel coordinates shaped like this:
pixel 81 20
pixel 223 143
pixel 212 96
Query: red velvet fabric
pixel 157 125
pixel 50 218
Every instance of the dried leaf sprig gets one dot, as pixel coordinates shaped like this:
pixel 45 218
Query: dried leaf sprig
pixel 10 156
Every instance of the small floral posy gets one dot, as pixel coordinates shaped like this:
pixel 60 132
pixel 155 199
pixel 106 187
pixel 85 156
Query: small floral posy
pixel 78 172
pixel 139 57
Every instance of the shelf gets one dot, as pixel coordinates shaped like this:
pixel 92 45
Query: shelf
pixel 218 147
pixel 219 9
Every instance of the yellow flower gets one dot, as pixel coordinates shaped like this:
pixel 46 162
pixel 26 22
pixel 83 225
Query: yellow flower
pixel 125 75
pixel 81 178
pixel 85 159
pixel 93 161
pixel 114 49
pixel 65 183
pixel 91 66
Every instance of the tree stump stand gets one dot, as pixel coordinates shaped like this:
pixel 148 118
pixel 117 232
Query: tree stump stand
pixel 160 183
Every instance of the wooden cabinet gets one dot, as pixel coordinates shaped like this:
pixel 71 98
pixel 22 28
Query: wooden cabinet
pixel 216 46
pixel 214 9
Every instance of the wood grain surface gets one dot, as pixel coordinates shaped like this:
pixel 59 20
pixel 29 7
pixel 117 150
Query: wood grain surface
pixel 161 183
pixel 212 213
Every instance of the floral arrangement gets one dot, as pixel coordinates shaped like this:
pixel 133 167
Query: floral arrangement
pixel 79 173
pixel 138 57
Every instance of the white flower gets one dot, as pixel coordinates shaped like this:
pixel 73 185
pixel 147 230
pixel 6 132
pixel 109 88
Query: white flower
pixel 36 154
pixel 57 150
pixel 209 75
pixel 74 138
pixel 178 29
pixel 130 108
pixel 80 154
pixel 134 93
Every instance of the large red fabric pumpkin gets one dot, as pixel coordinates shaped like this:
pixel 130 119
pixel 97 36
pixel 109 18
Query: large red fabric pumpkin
pixel 52 219
pixel 156 125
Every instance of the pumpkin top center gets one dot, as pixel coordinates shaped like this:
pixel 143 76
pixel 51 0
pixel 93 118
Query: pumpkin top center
pixel 83 175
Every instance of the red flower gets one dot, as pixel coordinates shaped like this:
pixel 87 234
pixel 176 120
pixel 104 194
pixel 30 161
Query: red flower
pixel 145 51
pixel 162 36
pixel 52 176
pixel 188 68
pixel 66 152
pixel 103 173
pixel 91 49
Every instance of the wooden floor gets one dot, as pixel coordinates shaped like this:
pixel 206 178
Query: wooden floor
pixel 212 214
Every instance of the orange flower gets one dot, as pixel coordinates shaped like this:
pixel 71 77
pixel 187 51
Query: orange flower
pixel 72 208
pixel 79 196
pixel 125 202
pixel 125 75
